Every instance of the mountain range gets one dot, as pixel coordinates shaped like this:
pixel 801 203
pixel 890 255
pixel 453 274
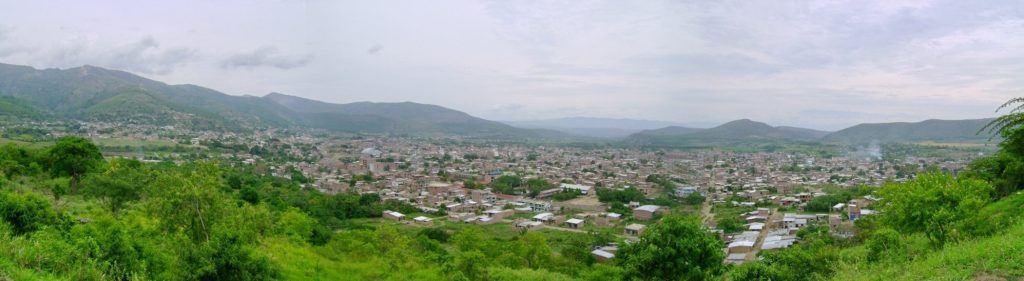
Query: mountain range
pixel 94 93
pixel 746 130
pixel 593 127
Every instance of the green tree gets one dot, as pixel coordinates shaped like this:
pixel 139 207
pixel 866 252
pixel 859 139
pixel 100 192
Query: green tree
pixel 677 248
pixel 122 181
pixel 73 157
pixel 933 203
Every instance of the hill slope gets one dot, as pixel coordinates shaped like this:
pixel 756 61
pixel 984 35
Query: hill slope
pixel 739 131
pixel 93 93
pixel 398 118
pixel 593 127
pixel 928 130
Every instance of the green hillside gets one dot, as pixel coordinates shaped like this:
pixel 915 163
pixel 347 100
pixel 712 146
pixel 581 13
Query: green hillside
pixel 928 130
pixel 738 132
pixel 93 93
pixel 11 107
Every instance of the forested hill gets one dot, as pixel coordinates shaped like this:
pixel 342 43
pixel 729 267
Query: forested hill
pixel 928 130
pixel 738 131
pixel 93 93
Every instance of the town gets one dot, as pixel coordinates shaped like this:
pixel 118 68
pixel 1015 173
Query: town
pixel 754 200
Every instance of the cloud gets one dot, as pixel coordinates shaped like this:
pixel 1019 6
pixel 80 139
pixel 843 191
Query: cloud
pixel 374 50
pixel 267 56
pixel 147 57
pixel 144 56
pixel 7 47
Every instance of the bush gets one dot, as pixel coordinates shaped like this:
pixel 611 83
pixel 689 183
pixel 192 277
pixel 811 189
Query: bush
pixel 884 244
pixel 25 212
pixel 934 204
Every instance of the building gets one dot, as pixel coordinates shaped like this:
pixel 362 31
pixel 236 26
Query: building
pixel 499 214
pixel 574 223
pixel 396 216
pixel 635 229
pixel 544 217
pixel 423 220
pixel 602 255
pixel 741 246
pixel 645 212
pixel 537 206
pixel 528 225
pixel 684 191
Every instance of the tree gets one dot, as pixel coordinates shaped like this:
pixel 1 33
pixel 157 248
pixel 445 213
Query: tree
pixel 74 156
pixel 190 199
pixel 677 248
pixel 123 180
pixel 694 199
pixel 933 203
pixel 536 185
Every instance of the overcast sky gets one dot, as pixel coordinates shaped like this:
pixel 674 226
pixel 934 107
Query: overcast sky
pixel 824 64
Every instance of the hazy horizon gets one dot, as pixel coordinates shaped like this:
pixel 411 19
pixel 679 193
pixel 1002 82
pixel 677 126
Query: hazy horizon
pixel 823 65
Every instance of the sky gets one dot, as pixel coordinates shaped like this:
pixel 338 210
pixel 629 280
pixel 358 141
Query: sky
pixel 817 64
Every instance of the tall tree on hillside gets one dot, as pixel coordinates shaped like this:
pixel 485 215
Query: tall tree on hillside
pixel 120 182
pixel 74 156
pixel 677 248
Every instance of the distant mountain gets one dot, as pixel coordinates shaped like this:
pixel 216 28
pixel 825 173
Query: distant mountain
pixel 593 127
pixel 739 131
pixel 803 133
pixel 928 130
pixel 93 93
pixel 399 118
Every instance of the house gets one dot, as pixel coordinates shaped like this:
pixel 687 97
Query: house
pixel 613 216
pixel 544 217
pixel 635 229
pixel 838 207
pixel 737 258
pixel 684 191
pixel 602 255
pixel 645 212
pixel 756 226
pixel 423 220
pixel 741 246
pixel 537 206
pixel 396 216
pixel 574 223
pixel 499 214
pixel 853 211
pixel 528 225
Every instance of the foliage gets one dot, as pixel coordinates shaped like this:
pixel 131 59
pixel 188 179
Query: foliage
pixel 884 244
pixel 933 203
pixel 808 261
pixel 26 212
pixel 677 248
pixel 1005 171
pixel 74 156
pixel 730 224
pixel 565 195
pixel 120 182
pixel 623 196
pixel 507 184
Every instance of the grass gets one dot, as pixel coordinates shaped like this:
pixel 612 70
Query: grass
pixel 999 257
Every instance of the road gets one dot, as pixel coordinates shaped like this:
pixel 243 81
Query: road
pixel 768 227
